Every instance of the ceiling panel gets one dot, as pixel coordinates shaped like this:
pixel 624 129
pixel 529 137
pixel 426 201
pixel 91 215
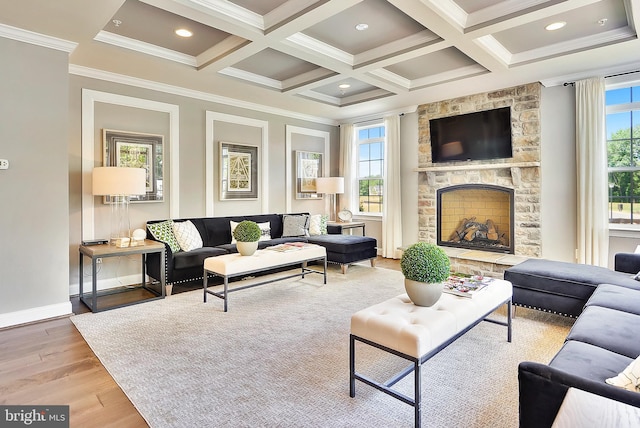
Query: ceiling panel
pixel 471 6
pixel 140 21
pixel 430 64
pixel 261 7
pixel 386 24
pixel 582 24
pixel 357 87
pixel 275 65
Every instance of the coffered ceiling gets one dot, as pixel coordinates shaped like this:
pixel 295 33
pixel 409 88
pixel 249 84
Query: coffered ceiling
pixel 308 57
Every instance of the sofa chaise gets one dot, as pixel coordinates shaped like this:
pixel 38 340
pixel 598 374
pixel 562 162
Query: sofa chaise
pixel 215 233
pixel 602 343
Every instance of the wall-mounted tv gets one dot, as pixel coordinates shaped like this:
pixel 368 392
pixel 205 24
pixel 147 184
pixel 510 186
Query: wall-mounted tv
pixel 472 136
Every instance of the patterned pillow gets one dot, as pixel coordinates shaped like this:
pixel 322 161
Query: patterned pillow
pixel 318 224
pixel 629 379
pixel 163 231
pixel 265 231
pixel 187 235
pixel 295 225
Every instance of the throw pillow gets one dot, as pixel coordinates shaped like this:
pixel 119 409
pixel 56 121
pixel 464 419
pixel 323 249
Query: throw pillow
pixel 318 224
pixel 295 225
pixel 630 377
pixel 637 277
pixel 265 231
pixel 163 232
pixel 187 235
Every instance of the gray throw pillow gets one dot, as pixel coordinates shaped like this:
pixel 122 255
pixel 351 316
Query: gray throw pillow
pixel 295 225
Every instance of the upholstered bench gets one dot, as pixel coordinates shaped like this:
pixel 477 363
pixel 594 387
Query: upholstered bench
pixel 417 333
pixel 347 249
pixel 560 287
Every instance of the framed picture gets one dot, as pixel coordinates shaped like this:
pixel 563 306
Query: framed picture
pixel 136 150
pixel 238 171
pixel 308 168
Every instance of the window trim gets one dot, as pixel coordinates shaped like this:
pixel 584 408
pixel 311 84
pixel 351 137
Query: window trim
pixel 357 142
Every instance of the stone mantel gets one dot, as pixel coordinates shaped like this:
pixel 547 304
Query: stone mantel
pixel 469 167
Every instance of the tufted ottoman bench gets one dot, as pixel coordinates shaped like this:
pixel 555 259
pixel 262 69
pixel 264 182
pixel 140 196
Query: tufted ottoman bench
pixel 347 249
pixel 417 333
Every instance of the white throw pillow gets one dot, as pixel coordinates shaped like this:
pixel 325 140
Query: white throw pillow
pixel 265 231
pixel 318 224
pixel 629 379
pixel 187 235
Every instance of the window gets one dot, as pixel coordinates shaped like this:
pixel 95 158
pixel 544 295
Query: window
pixel 370 143
pixel 623 153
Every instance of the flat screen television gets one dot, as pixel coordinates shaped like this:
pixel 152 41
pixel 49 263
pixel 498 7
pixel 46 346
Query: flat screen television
pixel 472 136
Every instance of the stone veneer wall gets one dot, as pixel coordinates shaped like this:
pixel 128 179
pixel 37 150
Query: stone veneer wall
pixel 521 173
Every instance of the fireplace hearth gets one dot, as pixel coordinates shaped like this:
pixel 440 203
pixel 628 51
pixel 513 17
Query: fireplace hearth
pixel 473 216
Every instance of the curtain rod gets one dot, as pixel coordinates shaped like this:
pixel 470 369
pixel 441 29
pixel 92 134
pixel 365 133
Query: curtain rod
pixel 606 77
pixel 373 119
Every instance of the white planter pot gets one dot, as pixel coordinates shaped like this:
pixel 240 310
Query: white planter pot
pixel 421 293
pixel 247 248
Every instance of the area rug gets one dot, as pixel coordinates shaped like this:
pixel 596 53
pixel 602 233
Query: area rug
pixel 279 358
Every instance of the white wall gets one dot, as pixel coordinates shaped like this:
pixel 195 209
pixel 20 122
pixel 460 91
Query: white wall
pixel 34 274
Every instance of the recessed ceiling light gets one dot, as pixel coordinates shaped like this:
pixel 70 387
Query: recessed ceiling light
pixel 344 86
pixel 362 27
pixel 183 32
pixel 555 26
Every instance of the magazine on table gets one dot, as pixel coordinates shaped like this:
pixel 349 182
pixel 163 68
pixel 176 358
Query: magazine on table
pixel 465 285
pixel 289 246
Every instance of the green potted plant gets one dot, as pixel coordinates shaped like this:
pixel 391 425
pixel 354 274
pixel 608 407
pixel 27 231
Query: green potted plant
pixel 424 266
pixel 247 233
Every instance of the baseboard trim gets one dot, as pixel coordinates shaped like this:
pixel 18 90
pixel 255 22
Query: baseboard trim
pixel 26 316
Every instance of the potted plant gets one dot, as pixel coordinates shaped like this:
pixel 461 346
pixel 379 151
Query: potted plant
pixel 247 233
pixel 424 266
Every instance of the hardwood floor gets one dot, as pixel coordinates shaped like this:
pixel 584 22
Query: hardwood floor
pixel 49 363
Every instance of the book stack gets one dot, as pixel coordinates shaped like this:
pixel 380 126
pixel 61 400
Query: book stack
pixel 465 286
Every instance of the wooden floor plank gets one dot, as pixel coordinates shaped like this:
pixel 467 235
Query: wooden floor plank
pixel 49 363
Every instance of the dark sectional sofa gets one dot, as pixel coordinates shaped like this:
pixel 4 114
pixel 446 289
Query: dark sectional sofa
pixel 187 266
pixel 604 340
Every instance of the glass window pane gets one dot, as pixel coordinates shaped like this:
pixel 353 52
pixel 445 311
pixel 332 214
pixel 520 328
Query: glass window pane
pixel 374 132
pixel 619 153
pixel 376 168
pixel 635 94
pixel 376 150
pixel 364 187
pixel 364 152
pixel 364 171
pixel 624 200
pixel 362 134
pixel 618 96
pixel 618 125
pixel 635 122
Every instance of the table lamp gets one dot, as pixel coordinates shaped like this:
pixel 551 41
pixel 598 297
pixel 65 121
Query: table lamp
pixel 330 186
pixel 119 184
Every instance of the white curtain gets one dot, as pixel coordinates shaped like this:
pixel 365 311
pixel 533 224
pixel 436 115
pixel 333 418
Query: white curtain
pixel 347 167
pixel 392 201
pixel 591 157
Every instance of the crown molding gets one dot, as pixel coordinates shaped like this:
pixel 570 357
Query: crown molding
pixel 146 48
pixel 26 36
pixel 190 93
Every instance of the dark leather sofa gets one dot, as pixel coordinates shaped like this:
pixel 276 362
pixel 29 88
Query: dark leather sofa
pixel 187 266
pixel 603 341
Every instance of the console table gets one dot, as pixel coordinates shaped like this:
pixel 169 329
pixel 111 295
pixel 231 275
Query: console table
pixel 95 252
pixel 340 227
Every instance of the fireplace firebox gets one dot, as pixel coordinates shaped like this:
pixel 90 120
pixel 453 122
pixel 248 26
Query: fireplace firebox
pixel 476 216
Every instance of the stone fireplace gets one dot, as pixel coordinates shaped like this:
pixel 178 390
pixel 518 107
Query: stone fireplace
pixel 518 178
pixel 475 216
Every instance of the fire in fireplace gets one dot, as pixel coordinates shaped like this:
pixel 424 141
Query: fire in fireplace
pixel 476 216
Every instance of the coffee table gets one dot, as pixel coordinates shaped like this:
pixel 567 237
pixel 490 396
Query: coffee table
pixel 234 265
pixel 417 333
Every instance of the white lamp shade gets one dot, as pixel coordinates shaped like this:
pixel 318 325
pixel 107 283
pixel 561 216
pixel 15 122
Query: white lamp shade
pixel 113 180
pixel 330 185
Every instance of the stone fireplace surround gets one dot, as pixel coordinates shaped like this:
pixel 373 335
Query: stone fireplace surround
pixel 520 173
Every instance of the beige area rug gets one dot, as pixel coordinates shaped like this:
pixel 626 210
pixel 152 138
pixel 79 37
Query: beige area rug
pixel 279 358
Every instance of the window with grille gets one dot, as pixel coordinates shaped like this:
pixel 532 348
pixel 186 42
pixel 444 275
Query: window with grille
pixel 370 149
pixel 623 154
